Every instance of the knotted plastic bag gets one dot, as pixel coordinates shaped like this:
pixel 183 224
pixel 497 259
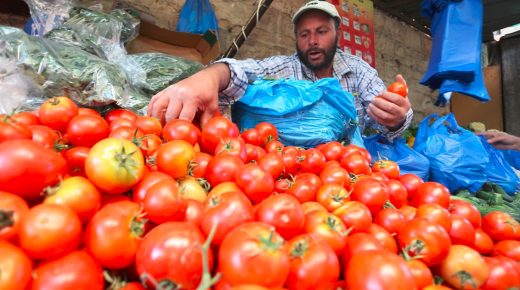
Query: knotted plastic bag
pixel 197 16
pixel 457 158
pixel 409 160
pixel 305 113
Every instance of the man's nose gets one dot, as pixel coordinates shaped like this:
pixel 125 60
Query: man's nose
pixel 313 39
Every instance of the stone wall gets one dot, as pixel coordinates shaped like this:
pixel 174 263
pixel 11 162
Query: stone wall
pixel 399 48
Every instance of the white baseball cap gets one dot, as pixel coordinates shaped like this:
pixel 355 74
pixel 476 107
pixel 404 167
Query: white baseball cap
pixel 316 5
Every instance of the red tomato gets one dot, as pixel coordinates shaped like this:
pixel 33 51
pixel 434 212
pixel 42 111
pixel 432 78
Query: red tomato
pixel 390 219
pixel 255 182
pixel 226 211
pixel 332 196
pixel 12 209
pixel 49 230
pixel 254 153
pixel 328 228
pixel 335 174
pixel 118 123
pixel 432 192
pixel 309 206
pixel 87 130
pixel 249 245
pixel 232 146
pixel 223 168
pixel 436 214
pixel 174 158
pixel 45 136
pixel 358 243
pixel 267 132
pixel 140 189
pixel 399 88
pixel 79 194
pixel 120 114
pixel 409 212
pixel 383 236
pixel 421 273
pixel 397 193
pixel 389 168
pixel 332 150
pixel 314 265
pixel 15 267
pixel 57 112
pixel 483 242
pixel 10 130
pixel 88 111
pixel 179 129
pixel 303 189
pixel 411 182
pixel 114 165
pixel 378 269
pixel 313 161
pixel 252 137
pixel 129 133
pixel 502 274
pixel 464 268
pixel 194 212
pixel 173 243
pixel 199 164
pixel 114 233
pixel 291 164
pixel 284 212
pixel 149 125
pixel 149 144
pixel 370 192
pixel 356 163
pixel 76 157
pixel 164 202
pixel 349 149
pixel 272 163
pixel 429 241
pixel 27 168
pixel 214 130
pixel 500 226
pixel 462 232
pixel 355 215
pixel 25 118
pixel 508 248
pixel 467 210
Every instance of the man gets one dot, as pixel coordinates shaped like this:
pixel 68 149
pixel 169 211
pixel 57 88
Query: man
pixel 316 27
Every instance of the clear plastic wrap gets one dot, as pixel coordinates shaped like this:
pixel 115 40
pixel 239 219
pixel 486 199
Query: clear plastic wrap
pixel 48 14
pixel 17 91
pixel 163 70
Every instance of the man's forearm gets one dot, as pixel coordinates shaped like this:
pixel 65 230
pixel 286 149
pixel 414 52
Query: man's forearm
pixel 221 72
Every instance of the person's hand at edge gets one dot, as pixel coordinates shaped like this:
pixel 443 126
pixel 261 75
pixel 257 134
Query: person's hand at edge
pixel 502 140
pixel 390 109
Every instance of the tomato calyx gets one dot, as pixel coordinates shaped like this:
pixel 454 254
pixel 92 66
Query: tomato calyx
pixel 269 243
pixel 465 277
pixel 299 249
pixel 389 204
pixel 114 280
pixel 415 248
pixel 137 225
pixel 125 161
pixel 164 284
pixel 6 219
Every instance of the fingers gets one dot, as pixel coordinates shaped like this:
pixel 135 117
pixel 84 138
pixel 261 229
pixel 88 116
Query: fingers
pixel 188 111
pixel 158 105
pixel 173 110
pixel 400 78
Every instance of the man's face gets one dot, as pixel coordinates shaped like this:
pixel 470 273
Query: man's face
pixel 316 39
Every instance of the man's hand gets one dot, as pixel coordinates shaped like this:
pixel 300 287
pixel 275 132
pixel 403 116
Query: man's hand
pixel 390 109
pixel 198 93
pixel 502 140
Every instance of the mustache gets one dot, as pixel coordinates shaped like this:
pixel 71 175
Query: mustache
pixel 311 50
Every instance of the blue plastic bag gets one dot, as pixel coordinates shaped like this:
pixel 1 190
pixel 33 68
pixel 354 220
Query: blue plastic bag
pixel 498 170
pixel 455 60
pixel 513 157
pixel 409 160
pixel 305 113
pixel 197 16
pixel 457 158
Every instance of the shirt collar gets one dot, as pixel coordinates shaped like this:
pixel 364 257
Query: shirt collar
pixel 340 66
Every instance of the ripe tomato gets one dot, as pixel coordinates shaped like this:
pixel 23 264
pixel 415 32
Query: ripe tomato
pixel 436 214
pixel 274 146
pixel 464 268
pixel 44 136
pixel 462 232
pixel 15 267
pixel 149 125
pixel 120 114
pixel 27 168
pixel 370 192
pixel 387 167
pixel 77 270
pixel 254 153
pixel 335 174
pixel 390 219
pixel 508 248
pixel 129 133
pixel 429 241
pixel 397 192
pixel 149 144
pixel 10 130
pixel 119 123
pixel 87 130
pixel 399 88
pixel 114 165
pixel 355 215
pixel 421 273
pixel 272 163
pixel 328 228
pixel 173 243
pixel 483 242
pixel 214 130
pixel 88 111
pixel 432 192
pixel 284 212
pixel 332 150
pixel 409 212
pixel 194 212
pixel 25 118
pixel 314 265
pixel 223 168
pixel 378 269
pixel 358 243
pixel 467 210
pixel 303 189
pixel 356 163
pixel 384 237
pixel 255 182
pixel 232 146
pixel 174 158
pixel 252 137
pixel 12 209
pixel 113 234
pixel 313 161
pixel 411 182
pixel 502 274
pixel 57 112
pixel 79 194
pixel 49 230
pixel 163 202
pixel 267 132
pixel 500 226
pixel 249 245
pixel 179 129
pixel 332 196
pixel 193 188
pixel 291 164
pixel 76 157
pixel 309 206
pixel 225 210
pixel 199 164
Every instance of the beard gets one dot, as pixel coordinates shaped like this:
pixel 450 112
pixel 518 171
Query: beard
pixel 328 53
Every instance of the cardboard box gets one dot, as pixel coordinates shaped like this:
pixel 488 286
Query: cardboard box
pixel 198 47
pixel 467 109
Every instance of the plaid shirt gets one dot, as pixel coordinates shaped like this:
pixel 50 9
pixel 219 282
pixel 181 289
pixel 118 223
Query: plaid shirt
pixel 354 75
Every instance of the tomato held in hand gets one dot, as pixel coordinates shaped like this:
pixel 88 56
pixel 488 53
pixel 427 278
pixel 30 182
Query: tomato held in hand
pixel 399 88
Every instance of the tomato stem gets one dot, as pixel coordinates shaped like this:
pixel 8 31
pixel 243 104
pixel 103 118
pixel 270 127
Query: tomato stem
pixel 6 218
pixel 299 249
pixel 206 282
pixel 465 277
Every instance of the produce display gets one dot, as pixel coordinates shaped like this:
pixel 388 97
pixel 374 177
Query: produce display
pixel 121 201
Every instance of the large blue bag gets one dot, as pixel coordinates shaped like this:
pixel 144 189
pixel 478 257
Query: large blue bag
pixel 197 16
pixel 513 157
pixel 457 158
pixel 409 160
pixel 305 113
pixel 499 170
